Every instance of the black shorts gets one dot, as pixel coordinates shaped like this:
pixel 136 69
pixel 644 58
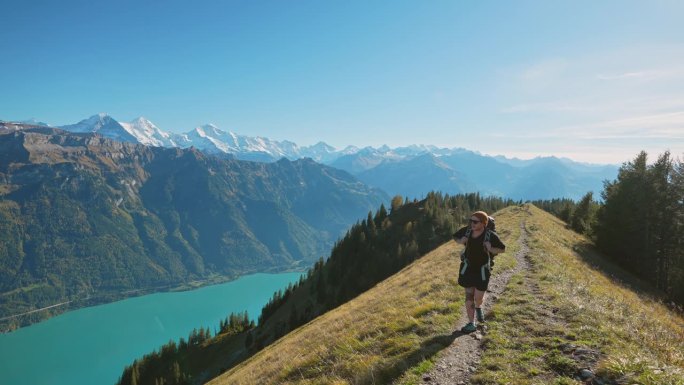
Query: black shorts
pixel 474 276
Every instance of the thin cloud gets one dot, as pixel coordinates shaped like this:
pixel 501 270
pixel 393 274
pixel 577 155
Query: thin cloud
pixel 667 126
pixel 545 70
pixel 543 107
pixel 646 75
pixel 662 126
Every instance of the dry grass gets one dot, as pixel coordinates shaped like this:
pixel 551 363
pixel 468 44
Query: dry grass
pixel 571 300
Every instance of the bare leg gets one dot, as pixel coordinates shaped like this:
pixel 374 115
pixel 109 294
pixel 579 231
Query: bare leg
pixel 479 299
pixel 470 302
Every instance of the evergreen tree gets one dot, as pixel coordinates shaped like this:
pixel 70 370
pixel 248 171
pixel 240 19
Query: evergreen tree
pixel 249 340
pixel 397 202
pixel 584 216
pixel 640 222
pixel 176 372
pixel 623 227
pixel 135 374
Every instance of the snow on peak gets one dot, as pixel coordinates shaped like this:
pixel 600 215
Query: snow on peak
pixel 200 132
pixel 35 122
pixel 147 133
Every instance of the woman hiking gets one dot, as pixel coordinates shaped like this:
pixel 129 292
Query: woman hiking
pixel 481 244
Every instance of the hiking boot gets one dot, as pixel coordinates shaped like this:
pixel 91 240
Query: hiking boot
pixel 478 313
pixel 469 328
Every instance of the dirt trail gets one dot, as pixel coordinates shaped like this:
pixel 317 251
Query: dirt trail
pixel 459 360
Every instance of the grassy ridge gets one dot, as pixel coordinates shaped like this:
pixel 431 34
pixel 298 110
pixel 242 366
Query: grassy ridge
pixel 378 336
pixel 569 312
pixel 563 314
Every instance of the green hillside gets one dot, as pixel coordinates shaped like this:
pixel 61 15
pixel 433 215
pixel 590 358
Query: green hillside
pixel 85 219
pixel 569 300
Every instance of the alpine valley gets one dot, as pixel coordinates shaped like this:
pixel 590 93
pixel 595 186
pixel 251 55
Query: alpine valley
pixel 95 209
pixel 85 218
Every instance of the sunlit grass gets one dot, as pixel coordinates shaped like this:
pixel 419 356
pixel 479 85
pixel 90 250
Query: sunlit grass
pixel 576 305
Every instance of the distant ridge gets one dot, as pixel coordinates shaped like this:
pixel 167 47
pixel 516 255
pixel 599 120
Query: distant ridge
pixel 384 167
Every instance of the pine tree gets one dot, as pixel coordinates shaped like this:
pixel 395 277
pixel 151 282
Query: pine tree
pixel 640 222
pixel 294 317
pixel 249 340
pixel 135 374
pixel 176 372
pixel 397 202
pixel 662 210
pixel 584 216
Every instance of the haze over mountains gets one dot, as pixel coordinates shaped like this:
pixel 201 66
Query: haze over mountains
pixel 409 171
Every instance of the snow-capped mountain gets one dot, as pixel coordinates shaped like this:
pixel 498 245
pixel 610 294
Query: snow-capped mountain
pixel 35 122
pixel 145 132
pixel 320 152
pixel 212 139
pixel 104 125
pixel 410 170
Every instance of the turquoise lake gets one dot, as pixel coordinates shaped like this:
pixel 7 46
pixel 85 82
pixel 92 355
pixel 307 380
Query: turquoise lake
pixel 93 345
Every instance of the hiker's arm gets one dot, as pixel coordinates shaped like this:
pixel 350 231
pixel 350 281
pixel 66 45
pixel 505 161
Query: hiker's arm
pixel 495 245
pixel 460 237
pixel 494 250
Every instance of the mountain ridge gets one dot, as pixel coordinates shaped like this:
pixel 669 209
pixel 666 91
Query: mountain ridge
pixel 470 170
pixel 133 216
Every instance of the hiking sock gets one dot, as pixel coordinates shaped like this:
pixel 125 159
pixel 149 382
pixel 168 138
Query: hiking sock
pixel 480 316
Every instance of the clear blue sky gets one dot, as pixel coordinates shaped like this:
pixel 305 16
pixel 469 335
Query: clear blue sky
pixel 591 80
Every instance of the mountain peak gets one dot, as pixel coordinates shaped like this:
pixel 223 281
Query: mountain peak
pixel 209 129
pixel 141 119
pixel 100 116
pixel 35 122
pixel 102 124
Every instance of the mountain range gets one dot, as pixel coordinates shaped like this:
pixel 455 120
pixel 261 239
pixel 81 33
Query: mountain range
pixel 408 171
pixel 82 215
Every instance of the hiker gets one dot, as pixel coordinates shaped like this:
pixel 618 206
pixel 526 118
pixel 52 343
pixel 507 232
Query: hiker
pixel 482 243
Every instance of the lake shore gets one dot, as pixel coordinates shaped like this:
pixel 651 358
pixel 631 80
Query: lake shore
pixel 17 321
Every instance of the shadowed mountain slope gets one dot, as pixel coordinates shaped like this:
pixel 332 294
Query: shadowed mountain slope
pixel 82 216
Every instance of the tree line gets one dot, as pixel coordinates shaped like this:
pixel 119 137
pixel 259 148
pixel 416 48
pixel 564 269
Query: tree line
pixel 169 366
pixel 640 221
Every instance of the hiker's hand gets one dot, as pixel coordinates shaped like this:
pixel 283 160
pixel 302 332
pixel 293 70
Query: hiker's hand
pixel 488 246
pixel 463 240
